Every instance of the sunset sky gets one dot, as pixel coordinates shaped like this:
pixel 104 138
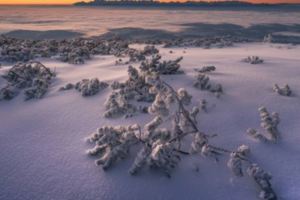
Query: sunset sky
pixel 72 1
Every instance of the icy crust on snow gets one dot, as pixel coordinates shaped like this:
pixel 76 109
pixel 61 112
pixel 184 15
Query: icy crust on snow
pixel 42 148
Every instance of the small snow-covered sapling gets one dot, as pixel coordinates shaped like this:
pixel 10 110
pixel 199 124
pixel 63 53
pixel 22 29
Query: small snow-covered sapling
pixel 205 69
pixel 262 179
pixel 254 134
pixel 203 83
pixel 236 160
pixel 161 67
pixel 268 38
pixel 253 60
pixel 284 91
pixel 269 122
pixel 68 86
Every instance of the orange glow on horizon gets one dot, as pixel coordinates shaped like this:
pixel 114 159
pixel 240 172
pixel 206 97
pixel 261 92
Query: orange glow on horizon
pixel 67 2
pixel 38 2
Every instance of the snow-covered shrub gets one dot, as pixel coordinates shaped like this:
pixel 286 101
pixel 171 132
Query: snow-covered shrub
pixel 68 86
pixel 158 107
pixel 117 105
pixel 284 91
pixel 75 56
pixel 206 69
pixel 89 87
pixel 198 143
pixel 203 83
pixel 268 38
pixel 136 56
pixel 203 42
pixel 32 77
pixel 161 147
pixel 112 144
pixel 254 134
pixel 163 157
pixel 262 179
pixel 253 60
pixel 203 105
pixel 135 88
pixel 140 55
pixel 165 67
pixel 236 160
pixel 37 90
pixel 150 50
pixel 141 159
pixel 7 93
pixel 184 96
pixel 269 122
pixel 120 61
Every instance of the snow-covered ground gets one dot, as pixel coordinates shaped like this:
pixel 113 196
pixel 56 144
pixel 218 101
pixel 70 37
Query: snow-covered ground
pixel 43 148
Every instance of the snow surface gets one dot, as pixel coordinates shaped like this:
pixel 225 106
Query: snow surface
pixel 43 149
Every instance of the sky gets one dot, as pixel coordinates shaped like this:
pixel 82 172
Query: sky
pixel 73 1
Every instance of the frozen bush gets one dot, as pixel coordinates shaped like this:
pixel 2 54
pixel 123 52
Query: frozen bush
pixel 198 142
pixel 32 77
pixel 117 105
pixel 165 67
pixel 269 123
pixel 90 87
pixel 163 157
pixel 37 90
pixel 236 160
pixel 203 105
pixel 254 134
pixel 284 91
pixel 112 144
pixel 7 93
pixel 268 38
pixel 160 147
pixel 150 50
pixel 184 96
pixel 203 83
pixel 141 159
pixel 206 69
pixel 262 179
pixel 68 86
pixel 159 107
pixel 253 60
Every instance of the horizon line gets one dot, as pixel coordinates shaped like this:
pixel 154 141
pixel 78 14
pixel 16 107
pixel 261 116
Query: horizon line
pixel 155 1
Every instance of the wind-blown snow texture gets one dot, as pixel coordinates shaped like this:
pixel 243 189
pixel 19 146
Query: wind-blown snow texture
pixel 43 149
